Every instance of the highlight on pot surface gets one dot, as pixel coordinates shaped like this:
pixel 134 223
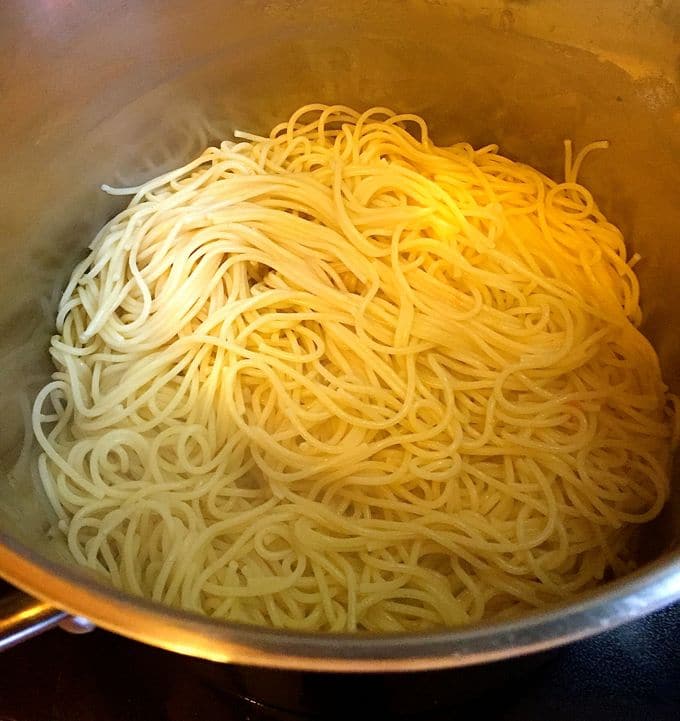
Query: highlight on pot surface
pixel 340 378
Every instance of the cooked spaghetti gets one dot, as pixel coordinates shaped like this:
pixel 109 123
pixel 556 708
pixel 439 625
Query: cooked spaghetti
pixel 340 378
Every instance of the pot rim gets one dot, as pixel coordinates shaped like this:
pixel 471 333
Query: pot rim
pixel 71 589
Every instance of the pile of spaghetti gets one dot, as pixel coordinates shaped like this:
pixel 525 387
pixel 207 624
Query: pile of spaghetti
pixel 340 378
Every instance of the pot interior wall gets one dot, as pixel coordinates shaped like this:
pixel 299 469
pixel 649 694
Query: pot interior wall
pixel 120 92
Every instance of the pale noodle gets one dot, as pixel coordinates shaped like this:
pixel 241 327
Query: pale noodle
pixel 341 378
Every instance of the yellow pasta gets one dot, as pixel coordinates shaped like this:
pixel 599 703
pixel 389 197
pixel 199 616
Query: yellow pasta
pixel 341 379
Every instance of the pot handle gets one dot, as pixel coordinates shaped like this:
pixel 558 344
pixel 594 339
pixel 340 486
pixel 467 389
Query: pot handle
pixel 22 617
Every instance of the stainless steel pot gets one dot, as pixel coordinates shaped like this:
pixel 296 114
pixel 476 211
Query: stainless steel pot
pixel 115 91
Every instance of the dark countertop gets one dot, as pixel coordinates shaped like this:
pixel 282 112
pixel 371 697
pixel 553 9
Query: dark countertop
pixel 630 674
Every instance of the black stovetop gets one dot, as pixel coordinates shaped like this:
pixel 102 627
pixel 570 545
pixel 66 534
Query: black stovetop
pixel 630 674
